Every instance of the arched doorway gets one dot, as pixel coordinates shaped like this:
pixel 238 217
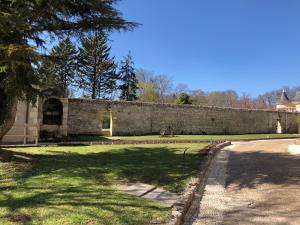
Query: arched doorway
pixel 52 112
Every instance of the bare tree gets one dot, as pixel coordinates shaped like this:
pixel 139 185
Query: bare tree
pixel 222 98
pixel 181 88
pixel 198 97
pixel 162 85
pixel 156 88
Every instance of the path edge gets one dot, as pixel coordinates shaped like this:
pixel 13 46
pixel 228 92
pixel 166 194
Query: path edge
pixel 182 205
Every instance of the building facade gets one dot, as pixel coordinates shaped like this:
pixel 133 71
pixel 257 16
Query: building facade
pixel 287 105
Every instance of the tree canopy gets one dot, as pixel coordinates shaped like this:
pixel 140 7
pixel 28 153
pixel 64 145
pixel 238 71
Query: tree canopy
pixel 59 69
pixel 26 25
pixel 96 68
pixel 183 99
pixel 129 81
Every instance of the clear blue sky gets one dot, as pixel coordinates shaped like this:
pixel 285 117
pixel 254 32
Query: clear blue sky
pixel 249 46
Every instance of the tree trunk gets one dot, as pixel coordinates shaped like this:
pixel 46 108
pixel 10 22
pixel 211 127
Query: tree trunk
pixel 10 119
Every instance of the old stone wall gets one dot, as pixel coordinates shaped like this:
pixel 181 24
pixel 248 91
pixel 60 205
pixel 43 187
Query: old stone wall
pixel 86 116
pixel 25 128
pixel 134 118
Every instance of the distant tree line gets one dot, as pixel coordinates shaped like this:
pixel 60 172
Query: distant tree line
pixel 160 89
pixel 92 71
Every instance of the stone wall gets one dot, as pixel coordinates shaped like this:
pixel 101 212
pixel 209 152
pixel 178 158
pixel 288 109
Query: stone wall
pixel 85 116
pixel 134 118
pixel 25 128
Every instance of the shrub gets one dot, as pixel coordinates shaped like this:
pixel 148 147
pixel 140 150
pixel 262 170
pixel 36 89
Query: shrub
pixel 183 98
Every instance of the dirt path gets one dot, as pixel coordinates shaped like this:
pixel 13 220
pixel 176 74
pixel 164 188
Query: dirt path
pixel 254 182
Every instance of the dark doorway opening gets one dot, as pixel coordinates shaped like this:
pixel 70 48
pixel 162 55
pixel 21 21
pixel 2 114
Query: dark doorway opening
pixel 52 112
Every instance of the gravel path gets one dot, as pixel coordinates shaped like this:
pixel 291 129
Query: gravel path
pixel 254 182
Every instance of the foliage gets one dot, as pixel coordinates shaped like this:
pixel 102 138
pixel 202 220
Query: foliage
pixel 163 86
pixel 129 81
pixel 25 25
pixel 96 69
pixel 58 70
pixel 146 92
pixel 183 98
pixel 78 185
pixel 152 87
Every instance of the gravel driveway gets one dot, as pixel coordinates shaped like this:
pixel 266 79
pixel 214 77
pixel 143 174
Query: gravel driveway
pixel 255 182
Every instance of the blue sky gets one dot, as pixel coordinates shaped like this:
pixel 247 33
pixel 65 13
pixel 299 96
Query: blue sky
pixel 248 46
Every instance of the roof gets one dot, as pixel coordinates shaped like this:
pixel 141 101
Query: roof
pixel 284 99
pixel 297 97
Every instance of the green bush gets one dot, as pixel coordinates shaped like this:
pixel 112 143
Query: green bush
pixel 183 98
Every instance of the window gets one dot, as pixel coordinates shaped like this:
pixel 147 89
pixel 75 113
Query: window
pixel 52 112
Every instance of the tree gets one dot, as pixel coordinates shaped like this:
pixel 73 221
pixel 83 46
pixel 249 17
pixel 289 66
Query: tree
pixel 143 75
pixel 181 88
pixel 183 99
pixel 59 68
pixel 162 85
pixel 246 102
pixel 96 69
pixel 146 92
pixel 22 22
pixel 128 78
pixel 199 97
pixel 222 98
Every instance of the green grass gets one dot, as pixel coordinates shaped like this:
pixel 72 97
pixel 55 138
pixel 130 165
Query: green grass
pixel 210 137
pixel 78 185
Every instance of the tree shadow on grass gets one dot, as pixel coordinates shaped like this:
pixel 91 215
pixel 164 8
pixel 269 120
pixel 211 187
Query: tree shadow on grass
pixel 160 166
pixel 72 180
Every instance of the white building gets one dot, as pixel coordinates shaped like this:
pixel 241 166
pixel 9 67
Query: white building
pixel 285 104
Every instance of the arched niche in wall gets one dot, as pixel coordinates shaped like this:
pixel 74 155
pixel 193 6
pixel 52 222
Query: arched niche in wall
pixel 52 112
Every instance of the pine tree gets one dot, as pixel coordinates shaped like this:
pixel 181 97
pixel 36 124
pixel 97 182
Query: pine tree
pixel 96 68
pixel 24 23
pixel 59 68
pixel 129 81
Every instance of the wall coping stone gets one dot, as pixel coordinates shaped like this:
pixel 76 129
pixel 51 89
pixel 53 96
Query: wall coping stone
pixel 136 103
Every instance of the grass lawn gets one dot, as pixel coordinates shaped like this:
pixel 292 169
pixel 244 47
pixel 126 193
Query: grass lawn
pixel 78 185
pixel 210 137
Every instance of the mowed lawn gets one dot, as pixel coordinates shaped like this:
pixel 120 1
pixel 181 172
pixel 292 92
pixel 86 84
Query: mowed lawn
pixel 78 185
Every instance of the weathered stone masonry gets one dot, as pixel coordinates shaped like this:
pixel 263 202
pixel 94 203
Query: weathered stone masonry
pixel 135 118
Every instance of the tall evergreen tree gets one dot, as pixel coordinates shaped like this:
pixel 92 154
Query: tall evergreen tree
pixel 96 68
pixel 59 68
pixel 129 81
pixel 22 22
